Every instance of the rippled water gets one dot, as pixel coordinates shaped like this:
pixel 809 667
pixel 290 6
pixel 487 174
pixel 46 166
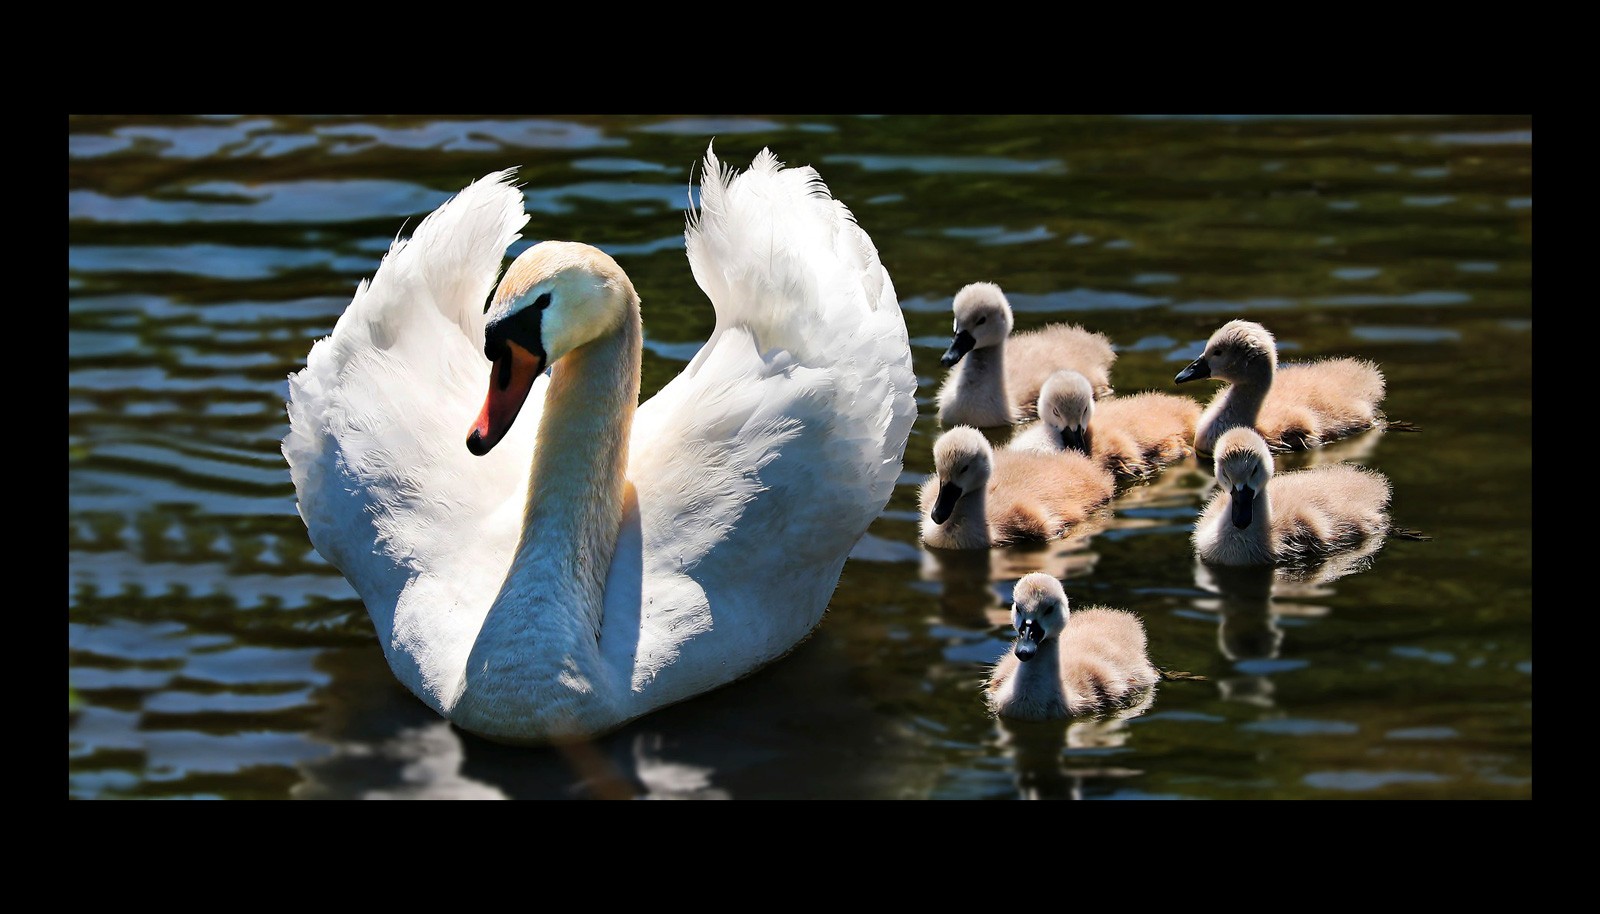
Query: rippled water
pixel 212 653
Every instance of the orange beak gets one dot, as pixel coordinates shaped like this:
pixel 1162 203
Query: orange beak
pixel 513 376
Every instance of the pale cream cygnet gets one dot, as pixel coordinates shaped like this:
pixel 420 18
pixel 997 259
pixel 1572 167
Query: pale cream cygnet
pixel 1063 663
pixel 1257 517
pixel 995 375
pixel 1133 436
pixel 1294 406
pixel 979 497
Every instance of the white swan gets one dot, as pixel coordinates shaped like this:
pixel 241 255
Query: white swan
pixel 591 561
pixel 1062 664
pixel 995 375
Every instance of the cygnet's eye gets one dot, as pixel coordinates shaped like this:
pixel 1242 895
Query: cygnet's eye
pixel 980 321
pixel 1048 609
pixel 542 302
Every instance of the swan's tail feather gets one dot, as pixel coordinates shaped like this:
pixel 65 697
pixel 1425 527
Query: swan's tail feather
pixel 449 263
pixel 760 247
pixel 782 259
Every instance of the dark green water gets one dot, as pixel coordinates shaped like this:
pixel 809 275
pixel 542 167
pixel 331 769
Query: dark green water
pixel 213 654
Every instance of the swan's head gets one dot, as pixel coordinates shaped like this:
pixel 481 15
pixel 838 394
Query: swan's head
pixel 1038 612
pixel 983 318
pixel 962 460
pixel 1238 350
pixel 1066 404
pixel 555 297
pixel 1243 464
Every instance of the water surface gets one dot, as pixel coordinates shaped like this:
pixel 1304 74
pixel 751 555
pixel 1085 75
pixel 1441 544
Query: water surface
pixel 214 654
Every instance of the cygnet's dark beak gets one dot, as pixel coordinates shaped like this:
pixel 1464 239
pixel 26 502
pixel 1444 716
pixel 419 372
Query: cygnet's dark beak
pixel 1243 498
pixel 1075 439
pixel 960 346
pixel 945 503
pixel 1029 637
pixel 1197 370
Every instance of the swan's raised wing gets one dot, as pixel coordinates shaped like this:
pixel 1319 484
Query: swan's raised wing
pixel 379 416
pixel 760 466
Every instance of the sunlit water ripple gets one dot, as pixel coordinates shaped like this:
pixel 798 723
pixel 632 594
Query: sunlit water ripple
pixel 214 654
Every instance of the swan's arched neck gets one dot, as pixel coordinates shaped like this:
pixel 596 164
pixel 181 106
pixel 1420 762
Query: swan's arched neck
pixel 539 647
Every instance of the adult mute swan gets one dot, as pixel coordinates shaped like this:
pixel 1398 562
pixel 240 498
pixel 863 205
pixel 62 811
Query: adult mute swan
pixel 995 375
pixel 1062 664
pixel 1295 406
pixel 569 561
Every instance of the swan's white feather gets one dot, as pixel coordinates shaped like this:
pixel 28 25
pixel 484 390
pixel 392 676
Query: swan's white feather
pixel 378 419
pixel 802 396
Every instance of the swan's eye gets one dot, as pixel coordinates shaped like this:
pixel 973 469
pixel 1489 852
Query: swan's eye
pixel 1048 609
pixel 980 321
pixel 542 302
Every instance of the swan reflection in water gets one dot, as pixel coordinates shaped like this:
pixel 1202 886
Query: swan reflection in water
pixel 1056 759
pixel 1248 601
pixel 1357 449
pixel 385 745
pixel 795 729
pixel 427 758
pixel 975 584
pixel 437 761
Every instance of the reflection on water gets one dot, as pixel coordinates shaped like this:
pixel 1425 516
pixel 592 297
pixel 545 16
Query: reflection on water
pixel 1250 600
pixel 1055 759
pixel 974 585
pixel 1357 449
pixel 213 653
pixel 791 729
